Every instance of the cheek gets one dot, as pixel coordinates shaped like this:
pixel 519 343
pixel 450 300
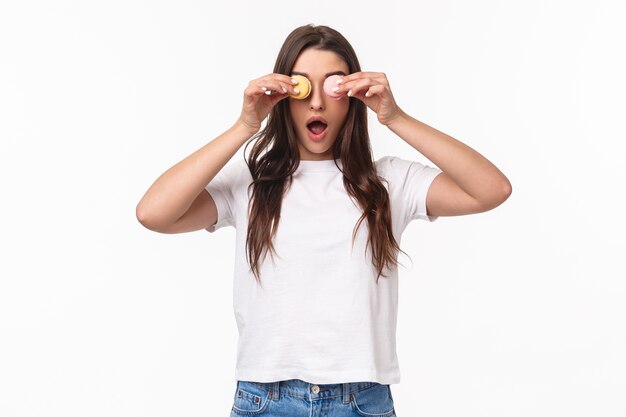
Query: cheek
pixel 297 111
pixel 341 110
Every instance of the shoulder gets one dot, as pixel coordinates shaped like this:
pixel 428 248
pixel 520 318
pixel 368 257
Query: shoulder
pixel 238 164
pixel 232 175
pixel 237 168
pixel 391 165
pixel 382 164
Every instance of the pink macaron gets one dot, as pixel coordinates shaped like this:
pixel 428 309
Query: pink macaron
pixel 329 84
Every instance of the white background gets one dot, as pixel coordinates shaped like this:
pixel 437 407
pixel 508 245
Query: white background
pixel 518 311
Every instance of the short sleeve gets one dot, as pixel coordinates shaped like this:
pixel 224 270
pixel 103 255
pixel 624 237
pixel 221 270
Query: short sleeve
pixel 413 181
pixel 221 189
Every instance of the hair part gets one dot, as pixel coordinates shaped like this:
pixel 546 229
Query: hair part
pixel 275 157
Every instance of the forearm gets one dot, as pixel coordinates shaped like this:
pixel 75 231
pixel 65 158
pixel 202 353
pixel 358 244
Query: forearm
pixel 171 195
pixel 469 169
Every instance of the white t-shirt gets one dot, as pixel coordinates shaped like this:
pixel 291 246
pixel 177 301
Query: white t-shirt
pixel 319 315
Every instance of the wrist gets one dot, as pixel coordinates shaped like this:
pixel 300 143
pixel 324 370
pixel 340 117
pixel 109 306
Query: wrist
pixel 400 117
pixel 244 129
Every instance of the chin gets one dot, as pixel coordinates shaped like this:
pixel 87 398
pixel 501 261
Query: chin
pixel 318 151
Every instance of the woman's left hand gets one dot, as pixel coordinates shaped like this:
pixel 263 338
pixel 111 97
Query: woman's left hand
pixel 372 88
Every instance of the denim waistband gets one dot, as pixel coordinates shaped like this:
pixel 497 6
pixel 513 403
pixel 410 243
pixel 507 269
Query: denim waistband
pixel 302 389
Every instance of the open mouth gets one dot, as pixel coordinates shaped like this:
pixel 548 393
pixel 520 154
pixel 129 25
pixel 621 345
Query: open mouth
pixel 317 127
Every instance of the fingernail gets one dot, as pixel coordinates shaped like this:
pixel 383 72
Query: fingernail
pixel 263 88
pixel 294 81
pixel 335 89
pixel 339 80
pixel 284 90
pixel 296 91
pixel 350 93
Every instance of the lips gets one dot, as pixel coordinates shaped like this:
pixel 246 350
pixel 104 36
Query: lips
pixel 316 125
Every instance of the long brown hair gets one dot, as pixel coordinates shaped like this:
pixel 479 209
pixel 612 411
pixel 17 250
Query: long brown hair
pixel 271 171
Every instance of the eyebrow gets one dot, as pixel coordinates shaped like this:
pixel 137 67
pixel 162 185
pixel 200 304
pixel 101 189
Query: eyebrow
pixel 325 76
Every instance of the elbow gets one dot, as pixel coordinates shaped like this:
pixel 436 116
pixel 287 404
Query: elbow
pixel 501 196
pixel 140 214
pixel 151 222
pixel 144 218
pixel 507 190
pixel 495 198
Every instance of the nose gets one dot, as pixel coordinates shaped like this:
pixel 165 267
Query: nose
pixel 317 97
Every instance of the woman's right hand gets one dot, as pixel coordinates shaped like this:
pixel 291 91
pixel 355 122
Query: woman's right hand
pixel 257 103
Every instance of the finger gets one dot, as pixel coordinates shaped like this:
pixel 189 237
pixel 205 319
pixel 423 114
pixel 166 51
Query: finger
pixel 253 90
pixel 359 85
pixel 345 86
pixel 286 79
pixel 354 86
pixel 359 75
pixel 279 77
pixel 277 83
pixel 375 90
pixel 273 86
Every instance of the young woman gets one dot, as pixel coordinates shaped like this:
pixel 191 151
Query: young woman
pixel 317 318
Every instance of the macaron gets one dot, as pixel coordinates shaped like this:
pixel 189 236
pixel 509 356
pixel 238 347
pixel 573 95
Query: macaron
pixel 304 86
pixel 329 84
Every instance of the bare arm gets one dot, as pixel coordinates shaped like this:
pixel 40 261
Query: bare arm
pixel 177 202
pixel 469 182
pixel 173 193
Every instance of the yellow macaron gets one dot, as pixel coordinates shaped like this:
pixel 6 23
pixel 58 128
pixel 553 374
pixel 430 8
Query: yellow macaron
pixel 304 86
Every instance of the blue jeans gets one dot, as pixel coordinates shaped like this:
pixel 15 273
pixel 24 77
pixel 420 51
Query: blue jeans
pixel 297 398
